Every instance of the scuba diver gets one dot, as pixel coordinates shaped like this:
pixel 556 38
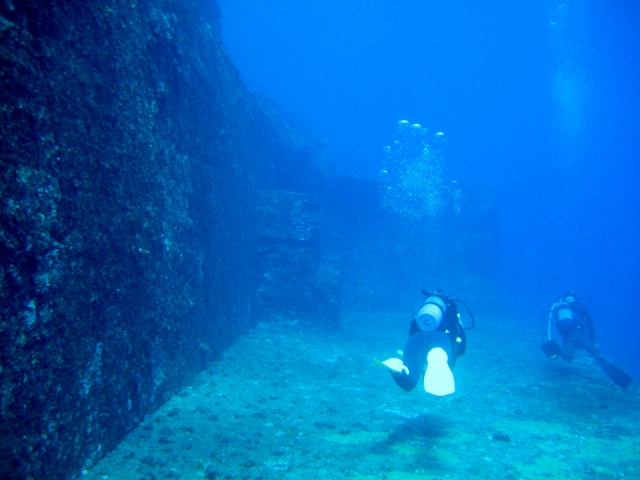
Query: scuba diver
pixel 436 339
pixel 574 324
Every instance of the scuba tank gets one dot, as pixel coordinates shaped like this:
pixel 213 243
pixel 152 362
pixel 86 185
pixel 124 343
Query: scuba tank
pixel 563 312
pixel 430 314
pixel 565 318
pixel 433 302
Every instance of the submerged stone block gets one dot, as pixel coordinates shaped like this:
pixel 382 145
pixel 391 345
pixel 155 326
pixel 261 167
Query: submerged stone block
pixel 287 216
pixel 297 281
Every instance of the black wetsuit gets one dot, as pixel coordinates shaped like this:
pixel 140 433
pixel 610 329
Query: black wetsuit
pixel 577 332
pixel 449 336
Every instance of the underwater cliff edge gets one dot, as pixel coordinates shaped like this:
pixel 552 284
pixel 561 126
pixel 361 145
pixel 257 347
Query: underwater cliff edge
pixel 131 155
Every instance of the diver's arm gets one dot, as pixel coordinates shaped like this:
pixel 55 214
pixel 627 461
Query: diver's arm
pixel 455 330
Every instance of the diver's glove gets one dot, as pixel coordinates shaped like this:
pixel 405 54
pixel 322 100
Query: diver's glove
pixel 438 378
pixel 394 365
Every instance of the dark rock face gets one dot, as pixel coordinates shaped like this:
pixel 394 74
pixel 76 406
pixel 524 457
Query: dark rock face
pixel 129 157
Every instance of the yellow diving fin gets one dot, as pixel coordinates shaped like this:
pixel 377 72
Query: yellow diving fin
pixel 393 364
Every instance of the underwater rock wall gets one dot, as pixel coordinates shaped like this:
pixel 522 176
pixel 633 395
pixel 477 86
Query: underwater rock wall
pixel 130 154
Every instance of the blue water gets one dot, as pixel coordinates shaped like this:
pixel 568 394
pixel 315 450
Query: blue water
pixel 539 99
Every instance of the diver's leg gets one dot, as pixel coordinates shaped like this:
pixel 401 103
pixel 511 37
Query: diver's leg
pixel 618 376
pixel 569 347
pixel 414 358
pixel 438 378
pixel 589 345
pixel 579 339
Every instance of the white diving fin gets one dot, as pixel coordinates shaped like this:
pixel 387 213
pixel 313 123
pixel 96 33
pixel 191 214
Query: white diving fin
pixel 438 378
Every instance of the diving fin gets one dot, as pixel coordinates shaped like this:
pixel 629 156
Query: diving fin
pixel 438 378
pixel 394 365
pixel 551 349
pixel 616 375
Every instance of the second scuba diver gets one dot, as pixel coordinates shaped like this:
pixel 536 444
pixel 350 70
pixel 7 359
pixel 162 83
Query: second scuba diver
pixel 436 339
pixel 575 325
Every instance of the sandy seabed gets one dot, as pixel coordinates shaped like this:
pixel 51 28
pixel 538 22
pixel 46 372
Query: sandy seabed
pixel 290 403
